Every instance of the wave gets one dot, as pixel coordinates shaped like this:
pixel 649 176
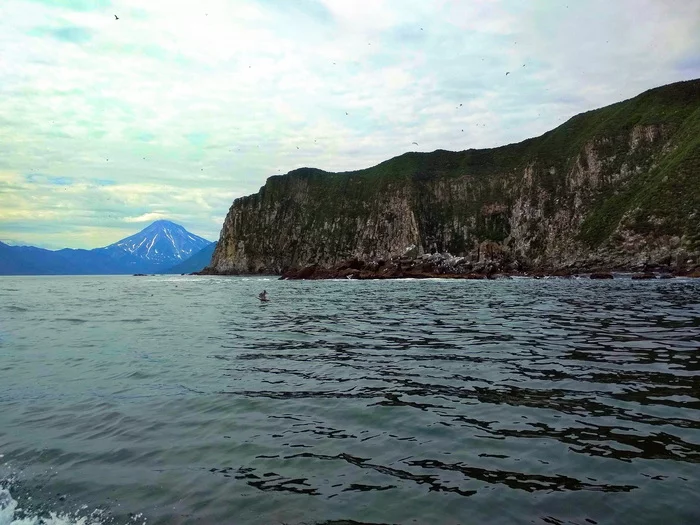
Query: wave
pixel 11 513
pixel 13 308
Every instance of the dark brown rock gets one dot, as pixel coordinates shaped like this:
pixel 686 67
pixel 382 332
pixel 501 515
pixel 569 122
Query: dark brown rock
pixel 645 275
pixel 308 272
pixel 356 264
pixel 601 275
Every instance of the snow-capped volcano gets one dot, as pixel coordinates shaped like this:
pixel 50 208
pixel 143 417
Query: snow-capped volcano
pixel 154 249
pixel 161 243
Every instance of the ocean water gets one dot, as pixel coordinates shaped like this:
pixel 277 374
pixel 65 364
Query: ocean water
pixel 185 400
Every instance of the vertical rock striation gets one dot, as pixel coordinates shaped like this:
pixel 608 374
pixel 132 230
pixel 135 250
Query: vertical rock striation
pixel 617 187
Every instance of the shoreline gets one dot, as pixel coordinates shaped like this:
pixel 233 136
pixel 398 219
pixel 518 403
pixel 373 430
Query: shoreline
pixel 441 266
pixel 613 275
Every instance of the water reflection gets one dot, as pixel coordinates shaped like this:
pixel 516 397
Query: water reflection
pixel 565 368
pixel 553 401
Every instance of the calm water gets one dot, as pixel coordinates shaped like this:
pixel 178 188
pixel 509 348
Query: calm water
pixel 185 400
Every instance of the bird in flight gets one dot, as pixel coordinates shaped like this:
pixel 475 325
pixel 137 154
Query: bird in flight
pixel 116 17
pixel 414 143
pixel 507 73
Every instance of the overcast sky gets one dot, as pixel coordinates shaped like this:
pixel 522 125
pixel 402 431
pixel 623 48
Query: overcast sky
pixel 179 106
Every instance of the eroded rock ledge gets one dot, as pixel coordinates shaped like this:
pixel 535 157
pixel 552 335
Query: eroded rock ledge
pixel 447 266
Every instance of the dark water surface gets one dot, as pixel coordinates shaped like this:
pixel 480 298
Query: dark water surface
pixel 185 400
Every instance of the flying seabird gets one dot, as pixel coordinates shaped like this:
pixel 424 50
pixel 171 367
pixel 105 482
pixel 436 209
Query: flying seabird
pixel 116 17
pixel 414 143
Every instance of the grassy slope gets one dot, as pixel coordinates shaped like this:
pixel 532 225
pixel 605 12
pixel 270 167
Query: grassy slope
pixel 670 190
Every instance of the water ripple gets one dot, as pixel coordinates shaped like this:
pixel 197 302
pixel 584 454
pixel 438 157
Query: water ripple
pixel 550 401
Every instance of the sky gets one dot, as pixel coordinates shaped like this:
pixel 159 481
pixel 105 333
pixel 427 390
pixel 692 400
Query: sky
pixel 115 113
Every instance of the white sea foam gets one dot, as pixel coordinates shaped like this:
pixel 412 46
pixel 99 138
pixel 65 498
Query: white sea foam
pixel 10 514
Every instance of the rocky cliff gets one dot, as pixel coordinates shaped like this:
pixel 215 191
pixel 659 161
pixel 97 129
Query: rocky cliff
pixel 618 187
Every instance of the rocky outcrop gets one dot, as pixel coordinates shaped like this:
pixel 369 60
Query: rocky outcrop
pixel 613 189
pixel 446 266
pixel 421 267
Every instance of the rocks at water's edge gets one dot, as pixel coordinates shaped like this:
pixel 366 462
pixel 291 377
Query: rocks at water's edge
pixel 446 266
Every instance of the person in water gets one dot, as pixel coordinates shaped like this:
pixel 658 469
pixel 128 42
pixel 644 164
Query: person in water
pixel 263 295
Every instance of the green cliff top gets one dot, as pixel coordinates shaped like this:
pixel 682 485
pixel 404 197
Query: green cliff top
pixel 662 197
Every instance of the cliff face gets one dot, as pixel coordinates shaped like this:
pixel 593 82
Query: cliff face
pixel 616 187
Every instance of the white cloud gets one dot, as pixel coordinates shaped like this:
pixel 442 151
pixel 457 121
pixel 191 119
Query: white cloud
pixel 180 106
pixel 147 217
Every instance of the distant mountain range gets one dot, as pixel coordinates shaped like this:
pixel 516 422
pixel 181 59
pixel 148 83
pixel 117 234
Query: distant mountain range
pixel 155 249
pixel 197 262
